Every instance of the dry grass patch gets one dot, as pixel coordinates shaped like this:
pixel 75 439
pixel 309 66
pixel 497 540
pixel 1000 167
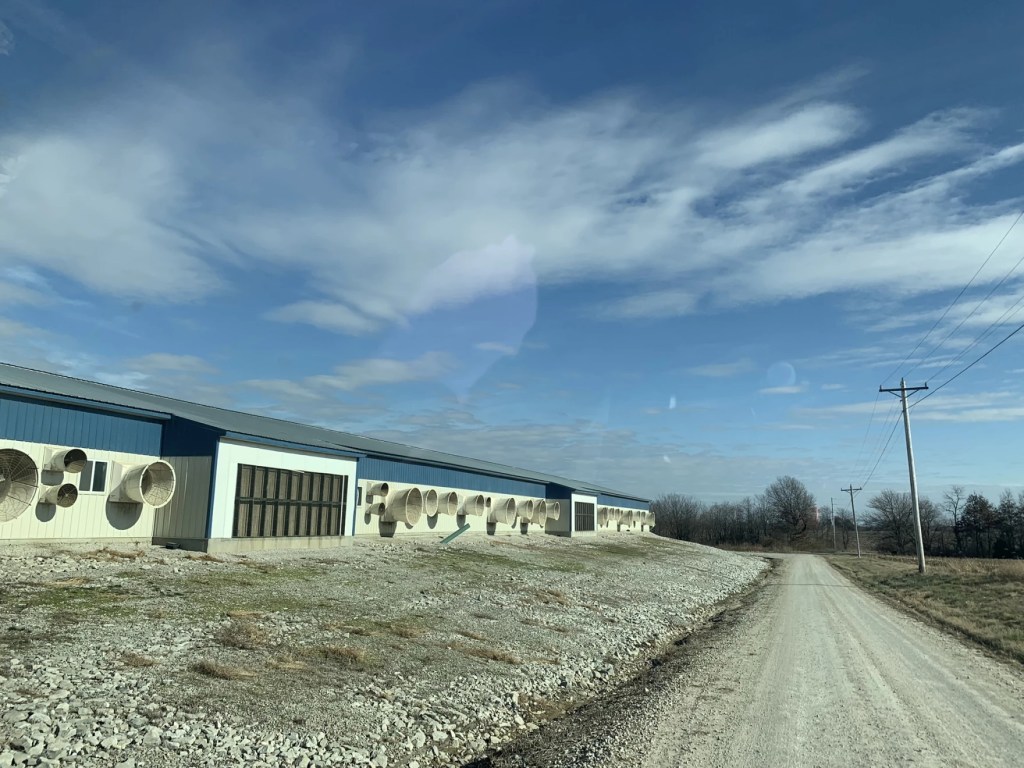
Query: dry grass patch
pixel 205 557
pixel 405 631
pixel 552 596
pixel 289 664
pixel 483 615
pixel 132 659
pixel 982 600
pixel 340 626
pixel 244 634
pixel 222 671
pixel 117 554
pixel 346 655
pixel 491 654
pixel 79 581
pixel 471 635
pixel 240 614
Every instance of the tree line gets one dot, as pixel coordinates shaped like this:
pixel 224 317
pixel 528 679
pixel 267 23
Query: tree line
pixel 786 515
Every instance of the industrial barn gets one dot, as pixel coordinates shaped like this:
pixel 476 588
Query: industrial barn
pixel 84 461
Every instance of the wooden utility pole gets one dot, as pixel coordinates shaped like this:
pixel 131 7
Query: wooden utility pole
pixel 833 503
pixel 853 509
pixel 910 463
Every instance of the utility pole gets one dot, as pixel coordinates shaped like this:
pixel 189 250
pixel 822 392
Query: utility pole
pixel 853 509
pixel 833 503
pixel 910 463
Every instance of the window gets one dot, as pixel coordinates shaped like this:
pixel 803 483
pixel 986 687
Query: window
pixel 282 502
pixel 93 478
pixel 584 516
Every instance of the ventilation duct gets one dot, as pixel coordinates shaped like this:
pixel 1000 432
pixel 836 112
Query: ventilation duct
pixel 377 508
pixel 151 484
pixel 553 510
pixel 539 511
pixel 430 502
pixel 525 511
pixel 503 511
pixel 72 460
pixel 448 503
pixel 602 516
pixel 406 507
pixel 378 490
pixel 19 479
pixel 62 495
pixel 474 505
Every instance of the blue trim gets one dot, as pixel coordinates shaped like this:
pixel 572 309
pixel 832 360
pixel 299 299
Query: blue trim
pixel 305 448
pixel 213 490
pixel 622 501
pixel 397 471
pixel 32 421
pixel 46 397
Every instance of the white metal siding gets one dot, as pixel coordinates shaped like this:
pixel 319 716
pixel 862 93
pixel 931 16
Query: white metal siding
pixel 92 516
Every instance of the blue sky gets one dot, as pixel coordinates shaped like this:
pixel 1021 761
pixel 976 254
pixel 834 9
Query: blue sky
pixel 665 248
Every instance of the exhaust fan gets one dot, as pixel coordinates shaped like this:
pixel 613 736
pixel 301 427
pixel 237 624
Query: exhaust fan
pixel 64 495
pixel 19 479
pixel 407 507
pixel 151 484
pixel 71 460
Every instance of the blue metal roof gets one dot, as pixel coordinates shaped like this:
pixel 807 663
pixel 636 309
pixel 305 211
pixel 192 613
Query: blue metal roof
pixel 95 394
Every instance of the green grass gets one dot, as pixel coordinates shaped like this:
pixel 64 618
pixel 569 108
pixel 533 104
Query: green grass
pixel 983 600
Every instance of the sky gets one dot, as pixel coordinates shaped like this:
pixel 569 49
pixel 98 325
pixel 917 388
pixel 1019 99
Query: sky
pixel 662 247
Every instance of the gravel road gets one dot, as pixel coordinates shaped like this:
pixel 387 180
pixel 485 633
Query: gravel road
pixel 811 672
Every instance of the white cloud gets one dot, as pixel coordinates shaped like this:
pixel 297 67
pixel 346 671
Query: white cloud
pixel 164 185
pixel 375 372
pixel 496 346
pixel 163 362
pixel 722 370
pixel 6 40
pixel 832 387
pixel 786 389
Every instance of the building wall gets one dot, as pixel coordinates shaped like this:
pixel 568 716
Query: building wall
pixel 366 524
pixel 92 517
pixel 392 470
pixel 231 453
pixel 191 449
pixel 606 500
pixel 32 421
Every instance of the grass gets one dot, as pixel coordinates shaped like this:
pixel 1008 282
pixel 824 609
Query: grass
pixel 491 654
pixel 552 596
pixel 222 671
pixel 471 635
pixel 343 654
pixel 982 600
pixel 137 660
pixel 244 634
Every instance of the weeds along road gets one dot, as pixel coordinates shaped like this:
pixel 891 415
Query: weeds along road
pixel 812 672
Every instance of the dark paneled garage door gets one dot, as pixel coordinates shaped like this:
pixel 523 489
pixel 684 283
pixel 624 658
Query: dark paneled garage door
pixel 584 516
pixel 280 502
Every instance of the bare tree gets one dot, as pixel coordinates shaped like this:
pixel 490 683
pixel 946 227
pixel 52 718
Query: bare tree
pixel 678 516
pixel 892 516
pixel 790 505
pixel 953 504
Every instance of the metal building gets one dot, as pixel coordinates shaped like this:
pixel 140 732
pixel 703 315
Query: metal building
pixel 80 460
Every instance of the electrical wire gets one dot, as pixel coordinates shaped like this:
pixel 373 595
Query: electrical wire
pixel 955 300
pixel 885 449
pixel 970 365
pixel 864 440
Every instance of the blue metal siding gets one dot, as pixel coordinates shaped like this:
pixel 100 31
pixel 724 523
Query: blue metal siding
pixel 619 501
pixel 424 474
pixel 69 425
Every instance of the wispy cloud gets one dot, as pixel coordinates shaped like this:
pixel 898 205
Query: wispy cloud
pixel 375 372
pixel 496 346
pixel 832 387
pixel 787 389
pixel 442 207
pixel 723 370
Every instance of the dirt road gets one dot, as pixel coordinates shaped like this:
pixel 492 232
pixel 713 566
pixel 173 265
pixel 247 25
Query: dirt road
pixel 813 672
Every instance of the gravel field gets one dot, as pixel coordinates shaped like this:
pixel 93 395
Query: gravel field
pixel 386 653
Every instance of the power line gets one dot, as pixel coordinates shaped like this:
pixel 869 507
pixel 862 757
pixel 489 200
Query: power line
pixel 884 450
pixel 878 442
pixel 864 440
pixel 955 300
pixel 977 306
pixel 970 365
pixel 1010 312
